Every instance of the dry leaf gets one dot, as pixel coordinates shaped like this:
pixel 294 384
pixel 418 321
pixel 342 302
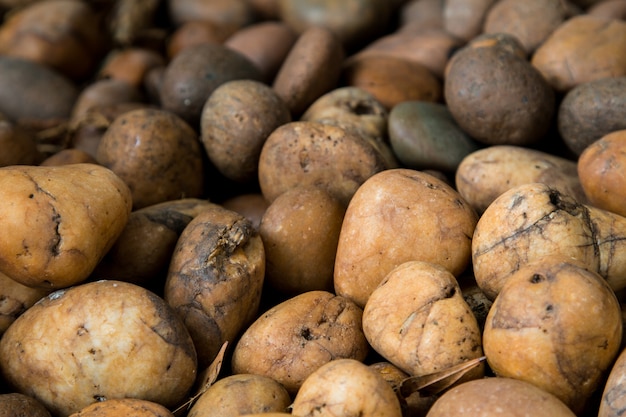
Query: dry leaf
pixel 437 382
pixel 207 378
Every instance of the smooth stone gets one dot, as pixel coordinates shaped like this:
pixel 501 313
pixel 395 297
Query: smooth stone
pixel 424 135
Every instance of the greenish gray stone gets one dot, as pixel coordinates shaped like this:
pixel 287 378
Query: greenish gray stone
pixel 424 135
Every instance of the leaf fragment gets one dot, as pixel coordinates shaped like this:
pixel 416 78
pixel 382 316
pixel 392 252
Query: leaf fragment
pixel 207 378
pixel 437 382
